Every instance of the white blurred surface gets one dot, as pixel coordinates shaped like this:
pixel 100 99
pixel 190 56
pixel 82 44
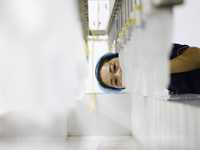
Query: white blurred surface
pixel 42 66
pixel 103 143
pixel 144 58
pixel 165 125
pixel 41 61
pixel 73 143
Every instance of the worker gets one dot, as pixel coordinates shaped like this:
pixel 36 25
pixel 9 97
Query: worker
pixel 184 71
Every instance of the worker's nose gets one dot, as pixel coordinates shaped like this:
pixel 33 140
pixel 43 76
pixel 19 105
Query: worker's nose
pixel 119 73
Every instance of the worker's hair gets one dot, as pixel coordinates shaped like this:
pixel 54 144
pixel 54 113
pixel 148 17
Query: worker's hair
pixel 105 58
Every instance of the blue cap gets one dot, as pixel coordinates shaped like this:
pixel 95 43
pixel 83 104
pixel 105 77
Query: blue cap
pixel 106 90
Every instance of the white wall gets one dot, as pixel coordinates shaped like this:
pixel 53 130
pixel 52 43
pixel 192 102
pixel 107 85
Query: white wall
pixel 111 115
pixel 187 23
pixel 100 48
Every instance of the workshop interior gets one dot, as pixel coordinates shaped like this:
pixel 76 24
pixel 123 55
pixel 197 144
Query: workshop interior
pixel 50 98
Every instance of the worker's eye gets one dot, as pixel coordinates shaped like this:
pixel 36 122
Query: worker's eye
pixel 116 81
pixel 114 67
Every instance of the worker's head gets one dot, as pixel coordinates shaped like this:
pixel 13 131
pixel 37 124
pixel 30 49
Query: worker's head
pixel 109 74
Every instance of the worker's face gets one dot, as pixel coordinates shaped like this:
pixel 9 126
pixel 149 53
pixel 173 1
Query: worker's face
pixel 111 73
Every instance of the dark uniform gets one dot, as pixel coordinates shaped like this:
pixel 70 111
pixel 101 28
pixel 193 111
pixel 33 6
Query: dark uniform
pixel 186 82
